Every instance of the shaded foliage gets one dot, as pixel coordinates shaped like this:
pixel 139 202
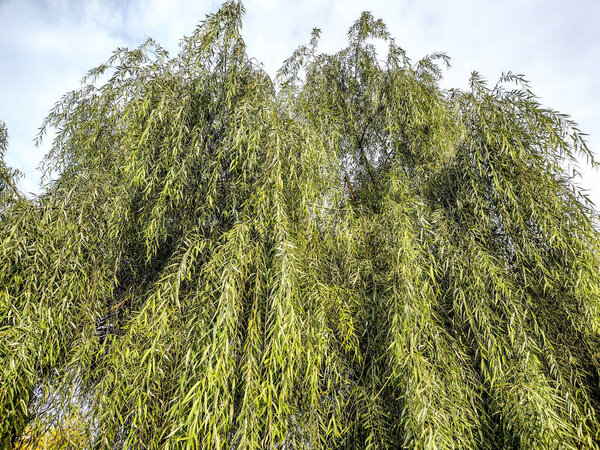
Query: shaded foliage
pixel 345 256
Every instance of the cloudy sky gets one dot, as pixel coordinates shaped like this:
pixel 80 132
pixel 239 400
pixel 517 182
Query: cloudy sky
pixel 46 46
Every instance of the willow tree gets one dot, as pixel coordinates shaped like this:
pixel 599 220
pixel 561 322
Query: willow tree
pixel 343 256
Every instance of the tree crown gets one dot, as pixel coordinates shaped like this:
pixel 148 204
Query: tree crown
pixel 343 256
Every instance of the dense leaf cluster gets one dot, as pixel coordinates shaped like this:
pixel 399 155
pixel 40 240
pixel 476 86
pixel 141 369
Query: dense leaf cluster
pixel 345 256
pixel 8 176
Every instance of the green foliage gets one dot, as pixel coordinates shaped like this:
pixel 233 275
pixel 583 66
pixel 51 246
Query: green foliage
pixel 8 176
pixel 346 256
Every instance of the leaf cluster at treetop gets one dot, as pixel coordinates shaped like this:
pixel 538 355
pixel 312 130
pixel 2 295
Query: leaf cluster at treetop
pixel 343 256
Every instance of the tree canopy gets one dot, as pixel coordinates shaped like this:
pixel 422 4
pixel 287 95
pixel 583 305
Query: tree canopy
pixel 343 256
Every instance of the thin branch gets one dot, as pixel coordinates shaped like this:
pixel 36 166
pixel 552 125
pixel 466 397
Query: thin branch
pixel 349 184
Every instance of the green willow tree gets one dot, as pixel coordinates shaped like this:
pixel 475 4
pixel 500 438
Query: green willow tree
pixel 345 256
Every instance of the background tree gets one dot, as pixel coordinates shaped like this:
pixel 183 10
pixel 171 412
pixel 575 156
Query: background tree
pixel 346 256
pixel 8 176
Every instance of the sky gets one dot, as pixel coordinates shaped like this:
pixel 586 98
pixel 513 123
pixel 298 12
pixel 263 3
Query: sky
pixel 46 46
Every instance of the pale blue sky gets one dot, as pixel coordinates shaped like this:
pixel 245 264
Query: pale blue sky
pixel 46 46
